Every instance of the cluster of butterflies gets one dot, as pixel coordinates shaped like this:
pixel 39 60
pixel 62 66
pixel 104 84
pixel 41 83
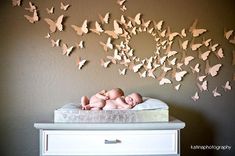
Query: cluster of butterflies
pixel 166 65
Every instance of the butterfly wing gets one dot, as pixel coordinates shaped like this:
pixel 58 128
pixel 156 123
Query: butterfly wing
pixel 52 25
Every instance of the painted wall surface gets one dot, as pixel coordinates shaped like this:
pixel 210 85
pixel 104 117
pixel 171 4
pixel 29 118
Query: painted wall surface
pixel 36 79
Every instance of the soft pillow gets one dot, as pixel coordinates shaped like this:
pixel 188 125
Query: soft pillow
pixel 151 103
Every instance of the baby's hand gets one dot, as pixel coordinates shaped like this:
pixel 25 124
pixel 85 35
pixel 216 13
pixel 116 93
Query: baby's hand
pixel 106 97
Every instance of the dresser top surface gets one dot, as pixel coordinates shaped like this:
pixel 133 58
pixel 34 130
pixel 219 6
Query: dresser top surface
pixel 172 124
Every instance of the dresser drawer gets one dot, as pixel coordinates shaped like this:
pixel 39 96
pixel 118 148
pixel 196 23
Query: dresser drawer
pixel 122 142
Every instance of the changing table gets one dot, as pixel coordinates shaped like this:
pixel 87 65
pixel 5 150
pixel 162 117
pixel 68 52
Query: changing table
pixel 83 139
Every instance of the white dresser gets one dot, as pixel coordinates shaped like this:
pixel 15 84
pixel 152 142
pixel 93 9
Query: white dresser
pixel 83 139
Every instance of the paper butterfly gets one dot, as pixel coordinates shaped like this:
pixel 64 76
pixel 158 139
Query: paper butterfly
pixel 164 81
pixel 143 75
pixel 121 2
pixel 137 67
pixel 213 71
pixel 117 29
pixel 31 7
pixel 64 7
pixel 66 51
pixel 213 47
pixel 227 86
pixel 81 63
pixel 107 45
pixel 228 34
pixel 188 59
pixel 215 93
pixel 122 72
pixel 55 43
pixel 179 75
pixel 220 53
pixel 195 68
pixel 104 19
pixel 207 42
pixel 32 19
pixel 204 56
pixel 158 25
pixel 195 97
pixel 104 64
pixel 16 3
pixel 203 86
pixel 196 32
pixel 80 45
pixel 81 30
pixel 177 87
pixel 50 11
pixel 97 29
pixel 201 78
pixel 136 20
pixel 55 25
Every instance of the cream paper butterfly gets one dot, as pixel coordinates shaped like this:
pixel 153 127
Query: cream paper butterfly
pixel 107 45
pixel 122 71
pixel 164 81
pixel 104 64
pixel 55 25
pixel 136 20
pixel 213 71
pixel 50 11
pixel 66 51
pixel 81 63
pixel 55 43
pixel 97 29
pixel 16 3
pixel 203 86
pixel 31 7
pixel 64 7
pixel 32 19
pixel 81 30
pixel 104 19
pixel 227 86
pixel 195 97
pixel 215 93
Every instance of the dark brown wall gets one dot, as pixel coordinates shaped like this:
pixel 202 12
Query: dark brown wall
pixel 36 79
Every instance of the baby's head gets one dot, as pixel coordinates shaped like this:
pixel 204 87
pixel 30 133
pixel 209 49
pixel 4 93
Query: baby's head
pixel 115 93
pixel 133 99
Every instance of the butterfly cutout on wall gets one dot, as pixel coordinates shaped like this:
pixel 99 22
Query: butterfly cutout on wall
pixel 195 31
pixel 81 62
pixel 98 29
pixel 228 34
pixel 227 86
pixel 66 50
pixel 34 18
pixel 55 43
pixel 104 19
pixel 195 97
pixel 122 71
pixel 107 45
pixel 203 86
pixel 16 3
pixel 213 71
pixel 50 11
pixel 64 7
pixel 53 26
pixel 31 7
pixel 81 30
pixel 104 64
pixel 216 93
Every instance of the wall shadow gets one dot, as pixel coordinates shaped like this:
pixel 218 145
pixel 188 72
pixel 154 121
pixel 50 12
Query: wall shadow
pixel 198 131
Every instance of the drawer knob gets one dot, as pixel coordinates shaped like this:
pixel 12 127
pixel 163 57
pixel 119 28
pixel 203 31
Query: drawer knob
pixel 116 141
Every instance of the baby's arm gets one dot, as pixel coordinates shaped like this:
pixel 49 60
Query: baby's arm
pixel 101 95
pixel 122 104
